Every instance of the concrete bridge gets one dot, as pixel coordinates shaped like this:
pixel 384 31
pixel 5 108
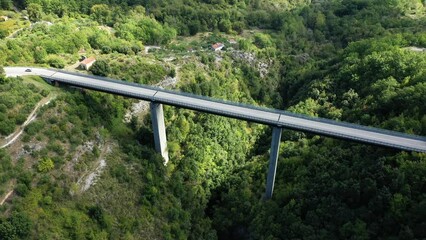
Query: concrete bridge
pixel 274 118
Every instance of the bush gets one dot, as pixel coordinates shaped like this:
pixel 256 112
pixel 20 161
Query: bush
pixel 45 165
pixel 44 93
pixel 3 33
pixel 56 62
pixel 100 68
pixel 136 48
pixel 20 119
pixel 7 127
pixel 34 127
pixel 57 148
pixel 106 50
pixel 262 40
pixel 22 224
pixel 21 190
pixel 172 73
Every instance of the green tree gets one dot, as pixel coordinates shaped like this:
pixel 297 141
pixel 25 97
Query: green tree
pixel 22 224
pixel 55 62
pixel 225 26
pixel 106 50
pixel 147 30
pixel 320 21
pixel 101 13
pixel 172 72
pixel 7 231
pixel 7 126
pixel 3 33
pixel 100 68
pixel 354 230
pixel 6 4
pixel 245 45
pixel 262 40
pixel 35 12
pixel 40 54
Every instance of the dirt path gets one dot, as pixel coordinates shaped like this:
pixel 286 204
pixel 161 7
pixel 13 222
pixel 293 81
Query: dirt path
pixel 416 49
pixel 12 137
pixel 12 35
pixel 6 197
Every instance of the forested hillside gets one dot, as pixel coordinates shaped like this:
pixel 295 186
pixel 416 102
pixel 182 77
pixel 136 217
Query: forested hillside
pixel 80 168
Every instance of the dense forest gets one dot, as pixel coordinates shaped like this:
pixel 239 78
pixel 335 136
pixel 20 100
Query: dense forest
pixel 359 61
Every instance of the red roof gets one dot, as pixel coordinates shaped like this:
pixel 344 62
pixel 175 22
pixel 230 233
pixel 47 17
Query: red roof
pixel 217 45
pixel 88 60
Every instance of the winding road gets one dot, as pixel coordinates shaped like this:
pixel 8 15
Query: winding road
pixel 250 113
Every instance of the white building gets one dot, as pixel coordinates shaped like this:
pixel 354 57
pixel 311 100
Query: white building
pixel 217 46
pixel 87 63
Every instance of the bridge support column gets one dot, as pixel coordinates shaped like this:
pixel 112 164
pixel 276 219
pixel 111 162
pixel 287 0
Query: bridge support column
pixel 159 129
pixel 273 159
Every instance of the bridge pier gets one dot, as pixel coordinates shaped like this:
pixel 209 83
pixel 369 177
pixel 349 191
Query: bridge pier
pixel 273 159
pixel 159 129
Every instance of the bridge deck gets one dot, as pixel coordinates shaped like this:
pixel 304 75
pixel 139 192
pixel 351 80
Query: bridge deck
pixel 230 109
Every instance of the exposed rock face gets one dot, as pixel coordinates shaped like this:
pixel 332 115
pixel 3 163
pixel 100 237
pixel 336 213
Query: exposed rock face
pixel 250 58
pixel 87 181
pixel 91 175
pixel 245 56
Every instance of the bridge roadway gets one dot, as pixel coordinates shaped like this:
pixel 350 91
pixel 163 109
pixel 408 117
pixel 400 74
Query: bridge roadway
pixel 230 109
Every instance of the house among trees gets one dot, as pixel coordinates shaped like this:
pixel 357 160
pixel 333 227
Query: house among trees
pixel 217 46
pixel 4 18
pixel 87 63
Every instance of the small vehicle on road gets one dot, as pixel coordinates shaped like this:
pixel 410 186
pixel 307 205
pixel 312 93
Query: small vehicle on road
pixel 28 70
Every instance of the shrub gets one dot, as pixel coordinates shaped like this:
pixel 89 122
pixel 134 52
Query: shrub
pixel 100 68
pixel 21 190
pixel 56 62
pixel 45 165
